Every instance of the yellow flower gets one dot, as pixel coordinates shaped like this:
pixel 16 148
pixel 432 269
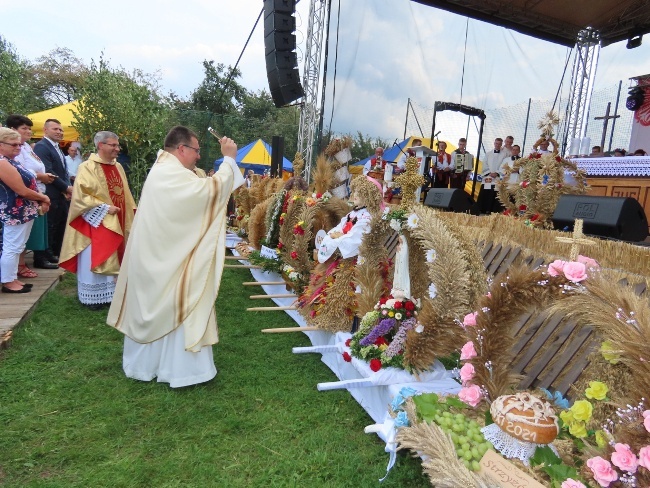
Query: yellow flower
pixel 567 417
pixel 383 347
pixel 581 410
pixel 596 390
pixel 391 314
pixel 578 429
pixel 605 347
pixel 601 439
pixel 301 223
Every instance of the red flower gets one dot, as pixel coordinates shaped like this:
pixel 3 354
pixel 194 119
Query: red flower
pixel 409 306
pixel 375 365
pixel 298 230
pixel 383 300
pixel 319 195
pixel 239 217
pixel 398 305
pixel 312 314
pixel 281 220
pixel 294 255
pixel 380 341
pixel 408 314
pixel 522 208
pixel 534 217
pixel 524 184
pixel 558 159
pixel 346 357
pixel 507 212
pixel 280 245
pixel 347 343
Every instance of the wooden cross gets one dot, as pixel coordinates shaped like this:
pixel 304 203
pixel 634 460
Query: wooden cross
pixel 577 239
pixel 409 181
pixel 605 120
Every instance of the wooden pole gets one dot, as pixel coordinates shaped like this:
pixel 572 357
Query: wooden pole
pixel 245 266
pixel 260 283
pixel 290 329
pixel 261 297
pixel 269 309
pixel 236 258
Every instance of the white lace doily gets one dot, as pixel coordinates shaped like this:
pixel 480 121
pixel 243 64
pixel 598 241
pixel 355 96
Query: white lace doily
pixel 625 166
pixel 509 446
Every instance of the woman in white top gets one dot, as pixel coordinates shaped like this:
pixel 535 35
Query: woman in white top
pixel 29 160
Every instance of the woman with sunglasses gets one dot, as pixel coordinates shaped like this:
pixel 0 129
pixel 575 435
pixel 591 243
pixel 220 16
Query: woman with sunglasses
pixel 19 207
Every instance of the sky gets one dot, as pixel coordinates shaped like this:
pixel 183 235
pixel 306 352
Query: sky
pixel 389 51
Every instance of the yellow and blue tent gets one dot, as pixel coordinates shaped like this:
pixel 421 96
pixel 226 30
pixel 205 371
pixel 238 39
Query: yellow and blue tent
pixel 63 113
pixel 256 156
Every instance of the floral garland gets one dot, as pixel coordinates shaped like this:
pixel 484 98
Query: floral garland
pixel 382 333
pixel 541 183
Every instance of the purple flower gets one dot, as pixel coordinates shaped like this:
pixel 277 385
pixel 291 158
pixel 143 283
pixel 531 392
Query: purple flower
pixel 398 341
pixel 383 327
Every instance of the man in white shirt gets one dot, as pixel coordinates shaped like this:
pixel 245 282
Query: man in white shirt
pixel 73 160
pixel 507 145
pixel 487 198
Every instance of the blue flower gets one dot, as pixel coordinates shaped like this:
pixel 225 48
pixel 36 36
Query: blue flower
pixel 397 402
pixel 407 392
pixel 401 420
pixel 544 179
pixel 556 398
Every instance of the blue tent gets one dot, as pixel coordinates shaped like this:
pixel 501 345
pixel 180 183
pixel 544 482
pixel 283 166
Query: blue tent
pixel 256 156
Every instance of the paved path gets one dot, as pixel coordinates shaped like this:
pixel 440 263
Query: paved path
pixel 14 308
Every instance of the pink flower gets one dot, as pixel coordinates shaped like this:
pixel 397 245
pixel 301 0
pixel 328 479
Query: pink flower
pixel 588 262
pixel 467 373
pixel 468 351
pixel 624 458
pixel 644 457
pixel 570 483
pixel 646 421
pixel 575 271
pixel 556 267
pixel 471 395
pixel 470 319
pixel 602 471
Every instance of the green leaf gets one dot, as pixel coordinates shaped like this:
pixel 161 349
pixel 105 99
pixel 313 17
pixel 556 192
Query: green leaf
pixel 561 472
pixel 455 402
pixel 545 456
pixel 488 418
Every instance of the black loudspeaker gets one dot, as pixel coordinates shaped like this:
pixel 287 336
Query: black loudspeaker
pixel 280 45
pixel 277 154
pixel 452 199
pixel 616 217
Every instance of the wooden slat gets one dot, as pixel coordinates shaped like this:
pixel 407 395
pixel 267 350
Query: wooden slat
pixel 584 334
pixel 496 262
pixel 640 288
pixel 512 255
pixel 548 327
pixel 485 249
pixel 530 329
pixel 487 260
pixel 542 362
pixel 537 263
pixel 576 370
pixel 521 322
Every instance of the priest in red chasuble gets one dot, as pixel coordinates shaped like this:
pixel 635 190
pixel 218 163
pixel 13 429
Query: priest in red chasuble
pixel 99 221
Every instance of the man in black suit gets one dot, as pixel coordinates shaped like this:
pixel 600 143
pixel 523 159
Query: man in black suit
pixel 59 191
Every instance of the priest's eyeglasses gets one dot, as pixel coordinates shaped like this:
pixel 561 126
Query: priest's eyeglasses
pixel 114 145
pixel 197 150
pixel 17 144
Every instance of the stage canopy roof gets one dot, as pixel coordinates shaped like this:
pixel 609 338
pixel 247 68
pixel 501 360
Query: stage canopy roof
pixel 558 21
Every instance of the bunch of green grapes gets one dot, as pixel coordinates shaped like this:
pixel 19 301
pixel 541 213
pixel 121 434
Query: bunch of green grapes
pixel 466 434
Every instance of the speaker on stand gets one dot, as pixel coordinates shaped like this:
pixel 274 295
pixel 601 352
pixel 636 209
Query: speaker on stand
pixel 451 199
pixel 280 45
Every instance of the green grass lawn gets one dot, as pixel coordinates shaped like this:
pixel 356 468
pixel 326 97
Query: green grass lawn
pixel 70 418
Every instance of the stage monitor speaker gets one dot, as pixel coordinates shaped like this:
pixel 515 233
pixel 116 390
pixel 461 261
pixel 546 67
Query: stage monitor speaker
pixel 279 47
pixel 616 217
pixel 452 199
pixel 277 155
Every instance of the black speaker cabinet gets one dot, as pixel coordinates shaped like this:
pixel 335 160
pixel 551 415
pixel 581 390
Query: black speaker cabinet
pixel 452 199
pixel 616 217
pixel 277 155
pixel 280 46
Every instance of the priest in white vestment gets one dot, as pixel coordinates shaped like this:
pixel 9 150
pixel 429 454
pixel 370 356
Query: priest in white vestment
pixel 171 271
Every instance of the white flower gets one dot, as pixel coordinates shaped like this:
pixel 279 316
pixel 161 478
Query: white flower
pixel 398 316
pixel 360 260
pixel 419 328
pixel 413 221
pixel 395 225
pixel 385 213
pixel 431 255
pixel 418 303
pixel 293 276
pixel 433 292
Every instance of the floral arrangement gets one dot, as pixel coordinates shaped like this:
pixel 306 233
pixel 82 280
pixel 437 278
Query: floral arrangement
pixel 400 218
pixel 542 180
pixel 381 335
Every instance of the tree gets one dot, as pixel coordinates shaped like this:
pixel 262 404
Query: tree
pixel 219 92
pixel 16 95
pixel 58 76
pixel 129 105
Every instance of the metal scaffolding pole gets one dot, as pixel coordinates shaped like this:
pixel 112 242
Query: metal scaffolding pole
pixel 309 113
pixel 583 77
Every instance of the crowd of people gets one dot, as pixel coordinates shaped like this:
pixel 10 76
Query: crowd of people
pixel 81 216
